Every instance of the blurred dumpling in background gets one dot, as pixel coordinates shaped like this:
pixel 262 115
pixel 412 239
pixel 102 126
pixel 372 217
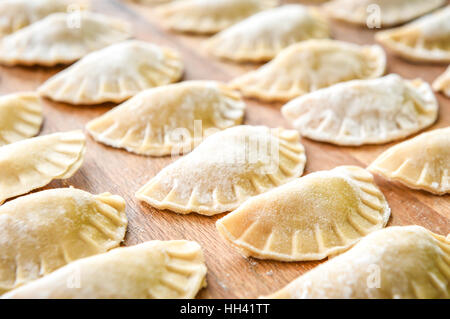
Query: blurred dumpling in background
pixel 206 16
pixel 424 40
pixel 16 14
pixel 61 38
pixel 385 12
pixel 262 36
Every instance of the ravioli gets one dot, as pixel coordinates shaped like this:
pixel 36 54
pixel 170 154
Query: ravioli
pixel 262 36
pixel 442 83
pixel 311 65
pixel 29 164
pixel 310 218
pixel 362 112
pixel 152 270
pixel 391 12
pixel 226 169
pixel 44 231
pixel 407 262
pixel 57 39
pixel 206 17
pixel 16 14
pixel 20 117
pixel 170 119
pixel 424 40
pixel 422 162
pixel 115 74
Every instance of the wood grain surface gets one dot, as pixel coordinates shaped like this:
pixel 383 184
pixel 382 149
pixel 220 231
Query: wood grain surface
pixel 107 169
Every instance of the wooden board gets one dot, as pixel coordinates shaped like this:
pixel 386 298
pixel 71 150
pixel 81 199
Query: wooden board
pixel 116 171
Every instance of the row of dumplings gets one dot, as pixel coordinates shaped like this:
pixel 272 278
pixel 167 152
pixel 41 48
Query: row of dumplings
pixel 274 214
pixel 255 227
pixel 108 76
pixel 393 108
pixel 61 244
pixel 358 112
pixel 253 30
pixel 70 230
pixel 209 182
pixel 305 67
pixel 261 36
pixel 251 160
pixel 68 238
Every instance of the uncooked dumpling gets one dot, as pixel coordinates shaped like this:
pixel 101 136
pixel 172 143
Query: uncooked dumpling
pixel 262 36
pixel 406 262
pixel 115 74
pixel 442 83
pixel 169 119
pixel 426 39
pixel 420 163
pixel 57 39
pixel 44 231
pixel 364 111
pixel 385 12
pixel 226 169
pixel 309 218
pixel 20 117
pixel 152 270
pixel 16 14
pixel 206 16
pixel 35 162
pixel 311 65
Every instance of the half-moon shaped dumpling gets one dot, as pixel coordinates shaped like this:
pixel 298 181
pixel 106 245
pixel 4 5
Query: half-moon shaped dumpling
pixel 44 231
pixel 422 162
pixel 310 218
pixel 20 117
pixel 426 39
pixel 262 36
pixel 226 169
pixel 35 162
pixel 170 119
pixel 153 270
pixel 364 111
pixel 206 16
pixel 311 65
pixel 57 39
pixel 396 262
pixel 442 83
pixel 380 13
pixel 114 74
pixel 16 14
